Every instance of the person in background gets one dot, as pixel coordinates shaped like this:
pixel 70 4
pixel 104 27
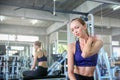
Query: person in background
pixel 40 58
pixel 82 54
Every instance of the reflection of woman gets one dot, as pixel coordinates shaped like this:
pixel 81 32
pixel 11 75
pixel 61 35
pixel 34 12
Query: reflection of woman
pixel 82 55
pixel 40 57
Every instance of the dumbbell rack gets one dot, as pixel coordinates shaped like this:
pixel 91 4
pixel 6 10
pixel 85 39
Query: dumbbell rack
pixel 9 68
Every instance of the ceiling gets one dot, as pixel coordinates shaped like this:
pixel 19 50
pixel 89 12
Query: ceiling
pixel 106 10
pixel 44 5
pixel 26 22
pixel 21 6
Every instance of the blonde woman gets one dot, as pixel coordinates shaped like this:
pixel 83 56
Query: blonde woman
pixel 82 54
pixel 40 58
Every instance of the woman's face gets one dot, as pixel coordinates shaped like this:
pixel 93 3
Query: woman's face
pixel 77 28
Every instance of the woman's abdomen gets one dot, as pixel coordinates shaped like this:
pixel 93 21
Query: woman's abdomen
pixel 86 71
pixel 43 64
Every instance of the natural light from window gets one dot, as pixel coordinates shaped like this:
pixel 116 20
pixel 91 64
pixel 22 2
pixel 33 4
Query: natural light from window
pixel 115 43
pixel 17 47
pixel 7 37
pixel 26 38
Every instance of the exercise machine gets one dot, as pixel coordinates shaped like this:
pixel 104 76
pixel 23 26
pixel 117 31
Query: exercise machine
pixel 54 71
pixel 103 68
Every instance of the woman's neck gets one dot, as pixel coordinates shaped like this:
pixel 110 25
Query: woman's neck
pixel 84 38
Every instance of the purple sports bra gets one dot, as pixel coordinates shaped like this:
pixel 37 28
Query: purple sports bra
pixel 80 61
pixel 43 58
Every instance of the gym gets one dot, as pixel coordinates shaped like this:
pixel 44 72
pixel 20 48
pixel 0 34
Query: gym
pixel 22 22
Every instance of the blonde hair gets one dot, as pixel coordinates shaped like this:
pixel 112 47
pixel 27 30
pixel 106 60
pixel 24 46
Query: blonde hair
pixel 82 22
pixel 37 43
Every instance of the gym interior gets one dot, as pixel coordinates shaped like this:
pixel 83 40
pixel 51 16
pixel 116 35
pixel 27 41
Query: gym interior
pixel 24 21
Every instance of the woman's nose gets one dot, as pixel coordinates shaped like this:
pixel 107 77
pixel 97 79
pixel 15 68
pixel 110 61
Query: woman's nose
pixel 75 31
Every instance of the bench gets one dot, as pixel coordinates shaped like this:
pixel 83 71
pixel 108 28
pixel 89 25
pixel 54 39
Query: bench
pixel 48 77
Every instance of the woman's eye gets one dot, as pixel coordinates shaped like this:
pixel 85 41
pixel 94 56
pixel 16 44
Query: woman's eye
pixel 72 30
pixel 77 27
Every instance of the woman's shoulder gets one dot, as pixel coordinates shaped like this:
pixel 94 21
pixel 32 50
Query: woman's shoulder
pixel 71 44
pixel 71 47
pixel 98 41
pixel 38 52
pixel 43 51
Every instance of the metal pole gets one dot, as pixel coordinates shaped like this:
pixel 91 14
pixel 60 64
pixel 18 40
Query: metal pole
pixel 92 24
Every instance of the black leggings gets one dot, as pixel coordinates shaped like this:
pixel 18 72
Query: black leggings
pixel 40 71
pixel 81 77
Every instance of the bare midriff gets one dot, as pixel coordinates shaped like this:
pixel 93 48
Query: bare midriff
pixel 43 64
pixel 85 71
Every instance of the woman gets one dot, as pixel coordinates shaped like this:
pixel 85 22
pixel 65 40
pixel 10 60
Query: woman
pixel 40 58
pixel 82 54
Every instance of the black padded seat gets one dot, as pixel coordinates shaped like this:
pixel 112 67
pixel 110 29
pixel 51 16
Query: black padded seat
pixel 44 77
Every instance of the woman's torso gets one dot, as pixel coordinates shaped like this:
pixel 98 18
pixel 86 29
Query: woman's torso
pixel 43 59
pixel 83 70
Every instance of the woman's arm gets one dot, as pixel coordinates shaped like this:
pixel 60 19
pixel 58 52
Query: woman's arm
pixel 71 62
pixel 34 61
pixel 92 46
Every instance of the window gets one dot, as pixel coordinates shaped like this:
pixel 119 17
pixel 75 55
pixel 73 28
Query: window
pixel 116 51
pixel 17 47
pixel 115 43
pixel 27 38
pixel 62 46
pixel 14 37
pixel 7 37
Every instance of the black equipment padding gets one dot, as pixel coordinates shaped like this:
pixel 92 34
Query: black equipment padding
pixel 44 77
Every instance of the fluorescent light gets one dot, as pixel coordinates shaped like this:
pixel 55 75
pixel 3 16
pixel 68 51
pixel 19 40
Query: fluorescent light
pixel 34 21
pixel 116 7
pixel 2 18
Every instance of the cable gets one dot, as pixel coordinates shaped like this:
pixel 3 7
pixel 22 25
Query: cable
pixel 54 12
pixel 101 16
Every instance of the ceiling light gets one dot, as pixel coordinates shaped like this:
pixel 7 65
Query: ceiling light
pixel 22 18
pixel 116 7
pixel 34 21
pixel 2 18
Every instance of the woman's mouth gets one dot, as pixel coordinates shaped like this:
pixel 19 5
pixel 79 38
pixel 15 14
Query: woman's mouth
pixel 77 34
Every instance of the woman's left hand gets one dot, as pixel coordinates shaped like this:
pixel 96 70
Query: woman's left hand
pixel 32 68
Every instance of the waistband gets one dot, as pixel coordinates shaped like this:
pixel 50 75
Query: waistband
pixel 42 67
pixel 82 77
